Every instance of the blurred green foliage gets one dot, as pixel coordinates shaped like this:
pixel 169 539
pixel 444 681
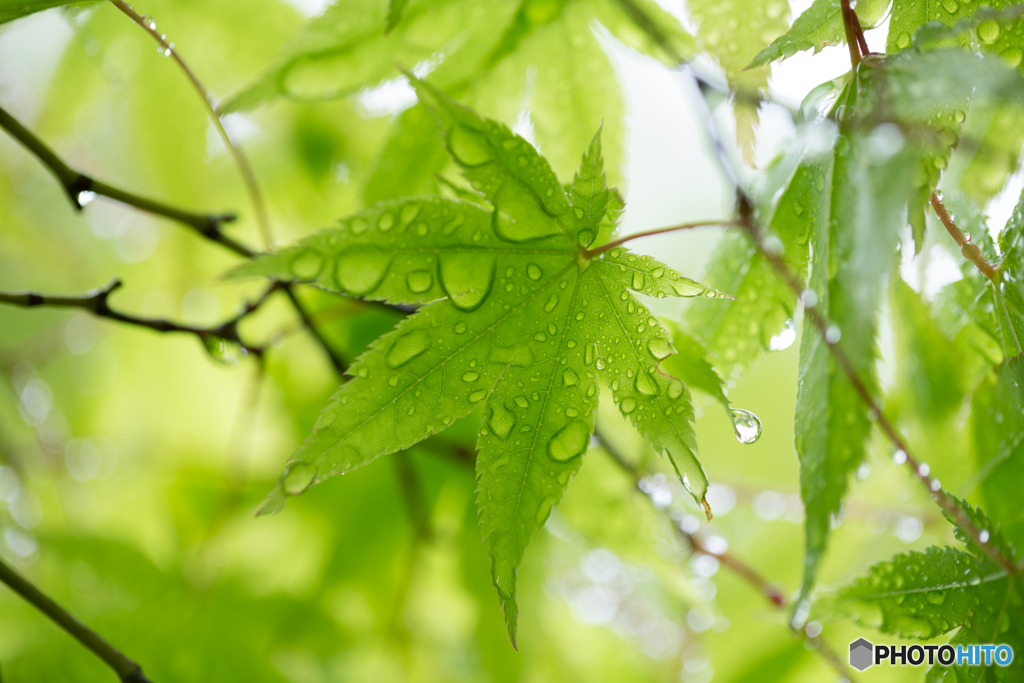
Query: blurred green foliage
pixel 131 462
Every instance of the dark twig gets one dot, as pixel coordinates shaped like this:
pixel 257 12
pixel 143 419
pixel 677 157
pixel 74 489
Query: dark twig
pixel 77 184
pixel 96 302
pixel 336 360
pixel 738 566
pixel 127 670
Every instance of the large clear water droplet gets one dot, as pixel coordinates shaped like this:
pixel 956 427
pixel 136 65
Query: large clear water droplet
pixel 419 281
pixel 569 442
pixel 467 147
pixel 307 265
pixel 466 278
pixel 747 426
pixel 645 384
pixel 359 273
pixel 501 421
pixel 297 478
pixel 86 198
pixel 407 347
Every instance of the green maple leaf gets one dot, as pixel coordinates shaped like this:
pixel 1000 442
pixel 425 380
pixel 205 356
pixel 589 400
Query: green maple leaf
pixel 520 318
pixel 922 595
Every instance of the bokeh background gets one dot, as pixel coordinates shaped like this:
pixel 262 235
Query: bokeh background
pixel 131 462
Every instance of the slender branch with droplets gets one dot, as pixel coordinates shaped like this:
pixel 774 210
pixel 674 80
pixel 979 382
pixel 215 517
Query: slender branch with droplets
pixel 970 250
pixel 126 669
pixel 920 470
pixel 745 211
pixel 96 302
pixel 244 167
pixel 590 253
pixel 736 565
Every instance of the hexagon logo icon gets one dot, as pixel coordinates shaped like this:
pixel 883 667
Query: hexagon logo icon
pixel 861 654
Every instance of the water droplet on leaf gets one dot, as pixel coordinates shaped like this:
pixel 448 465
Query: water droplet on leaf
pixel 569 442
pixel 407 347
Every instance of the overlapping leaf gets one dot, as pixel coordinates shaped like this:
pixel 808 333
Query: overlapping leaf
pixel 855 218
pixel 14 9
pixel 519 318
pixel 819 26
pixel 923 595
pixel 732 31
pixel 761 317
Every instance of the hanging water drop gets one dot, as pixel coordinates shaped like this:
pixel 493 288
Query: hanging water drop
pixel 224 350
pixel 85 198
pixel 747 426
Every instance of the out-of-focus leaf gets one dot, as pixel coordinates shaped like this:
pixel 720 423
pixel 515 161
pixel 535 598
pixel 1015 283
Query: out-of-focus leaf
pixel 411 156
pixel 929 365
pixel 853 245
pixel 14 9
pixel 989 151
pixel 998 428
pixel 733 31
pixel 739 331
pixel 923 595
pixel 395 10
pixel 345 48
pixel 909 15
pixel 819 26
pixel 519 319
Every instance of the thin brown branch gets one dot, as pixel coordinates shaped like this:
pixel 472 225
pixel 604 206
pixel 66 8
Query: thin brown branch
pixel 244 167
pixel 96 302
pixel 970 250
pixel 746 572
pixel 850 24
pixel 695 542
pixel 591 253
pixel 127 670
pixel 77 185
